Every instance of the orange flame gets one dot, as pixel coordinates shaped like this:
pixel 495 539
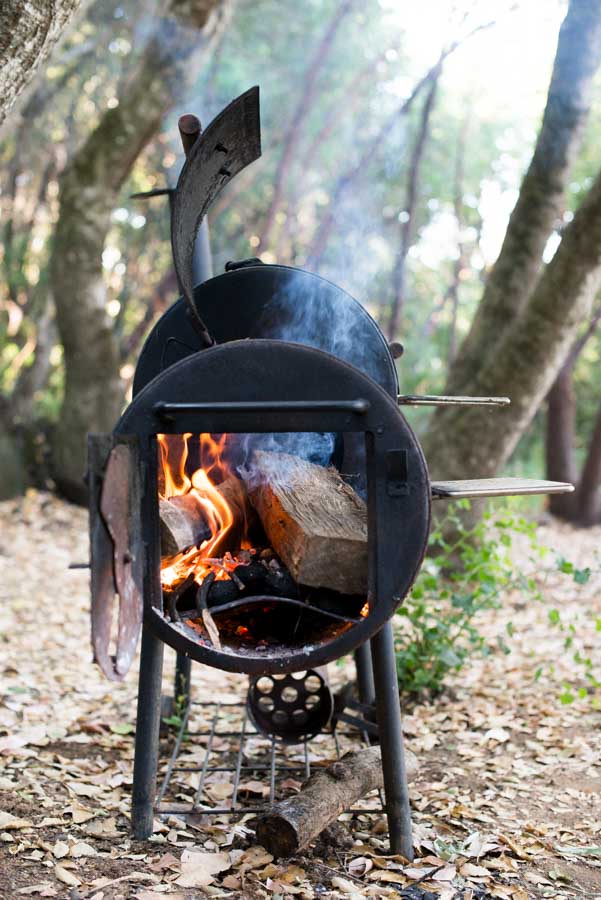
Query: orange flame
pixel 174 453
pixel 364 610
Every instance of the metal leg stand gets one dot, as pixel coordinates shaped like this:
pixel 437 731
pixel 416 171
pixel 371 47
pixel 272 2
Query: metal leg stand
pixel 390 731
pixel 147 735
pixel 181 687
pixel 365 674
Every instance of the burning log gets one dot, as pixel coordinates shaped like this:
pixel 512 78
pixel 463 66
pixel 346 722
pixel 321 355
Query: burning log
pixel 314 520
pixel 291 825
pixel 182 524
pixel 185 522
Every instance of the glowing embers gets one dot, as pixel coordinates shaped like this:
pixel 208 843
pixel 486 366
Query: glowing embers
pixel 220 577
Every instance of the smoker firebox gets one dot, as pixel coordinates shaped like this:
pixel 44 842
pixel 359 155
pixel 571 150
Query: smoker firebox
pixel 259 351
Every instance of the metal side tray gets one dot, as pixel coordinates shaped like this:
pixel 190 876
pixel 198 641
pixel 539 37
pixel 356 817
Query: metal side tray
pixel 496 487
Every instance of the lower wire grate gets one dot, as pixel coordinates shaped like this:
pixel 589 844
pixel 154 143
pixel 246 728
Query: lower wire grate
pixel 220 765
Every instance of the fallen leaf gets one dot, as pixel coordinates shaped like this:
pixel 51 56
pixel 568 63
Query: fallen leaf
pixel 257 856
pixel 103 828
pixel 360 866
pixel 79 813
pixel 447 873
pixel 82 849
pixel 44 889
pixel 9 822
pixel 60 850
pixel 198 867
pixel 84 790
pixel 469 870
pixel 66 876
pixel 346 887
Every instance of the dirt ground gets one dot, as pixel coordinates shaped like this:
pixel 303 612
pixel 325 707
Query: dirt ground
pixel 506 802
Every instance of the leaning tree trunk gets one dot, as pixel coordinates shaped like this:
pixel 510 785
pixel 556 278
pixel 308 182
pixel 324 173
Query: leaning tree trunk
pixel 542 194
pixel 474 441
pixel 524 327
pixel 28 34
pixel 89 187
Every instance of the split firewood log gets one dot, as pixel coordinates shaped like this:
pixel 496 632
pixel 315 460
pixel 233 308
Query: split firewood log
pixel 314 521
pixel 291 825
pixel 184 520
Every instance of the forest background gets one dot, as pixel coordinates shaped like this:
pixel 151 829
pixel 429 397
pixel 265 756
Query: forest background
pixel 395 147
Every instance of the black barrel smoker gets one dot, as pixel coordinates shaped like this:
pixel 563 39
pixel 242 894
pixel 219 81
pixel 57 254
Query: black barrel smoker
pixel 262 350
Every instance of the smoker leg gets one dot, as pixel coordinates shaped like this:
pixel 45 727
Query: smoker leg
pixel 181 688
pixel 147 735
pixel 390 732
pixel 365 674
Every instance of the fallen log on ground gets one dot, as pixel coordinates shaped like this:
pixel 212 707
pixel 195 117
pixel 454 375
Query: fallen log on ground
pixel 314 521
pixel 291 825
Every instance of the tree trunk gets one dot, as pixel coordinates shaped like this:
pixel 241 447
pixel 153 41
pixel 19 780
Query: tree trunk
pixel 411 197
pixel 542 194
pixel 89 187
pixel 559 441
pixel 588 495
pixel 460 262
pixel 476 442
pixel 29 32
pixel 299 115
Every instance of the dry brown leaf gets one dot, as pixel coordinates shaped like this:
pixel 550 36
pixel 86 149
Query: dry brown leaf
pixel 44 889
pixel 469 870
pixel 66 876
pixel 82 849
pixel 232 883
pixel 60 850
pixel 447 873
pixel 345 887
pixel 199 867
pixel 389 875
pixel 9 822
pixel 104 828
pixel 82 789
pixel 79 813
pixel 256 856
pixel 360 866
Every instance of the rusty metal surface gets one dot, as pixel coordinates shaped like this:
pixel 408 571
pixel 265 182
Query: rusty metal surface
pixel 230 143
pixel 115 551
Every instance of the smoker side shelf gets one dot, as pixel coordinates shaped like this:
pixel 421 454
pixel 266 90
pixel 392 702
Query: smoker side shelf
pixel 496 487
pixel 443 400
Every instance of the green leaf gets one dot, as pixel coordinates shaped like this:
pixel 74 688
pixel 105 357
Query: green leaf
pixel 554 617
pixel 122 728
pixel 581 576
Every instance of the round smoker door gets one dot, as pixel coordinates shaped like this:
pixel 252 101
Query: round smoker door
pixel 275 302
pixel 279 372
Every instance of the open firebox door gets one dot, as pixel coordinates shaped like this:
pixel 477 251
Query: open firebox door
pixel 263 505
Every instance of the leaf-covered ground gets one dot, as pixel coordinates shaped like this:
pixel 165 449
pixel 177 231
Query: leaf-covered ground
pixel 506 802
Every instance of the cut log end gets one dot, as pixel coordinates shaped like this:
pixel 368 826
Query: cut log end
pixel 315 522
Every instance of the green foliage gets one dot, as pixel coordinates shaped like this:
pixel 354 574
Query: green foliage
pixel 584 663
pixel 438 628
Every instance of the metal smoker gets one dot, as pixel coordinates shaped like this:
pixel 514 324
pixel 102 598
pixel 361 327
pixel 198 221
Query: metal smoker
pixel 216 363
